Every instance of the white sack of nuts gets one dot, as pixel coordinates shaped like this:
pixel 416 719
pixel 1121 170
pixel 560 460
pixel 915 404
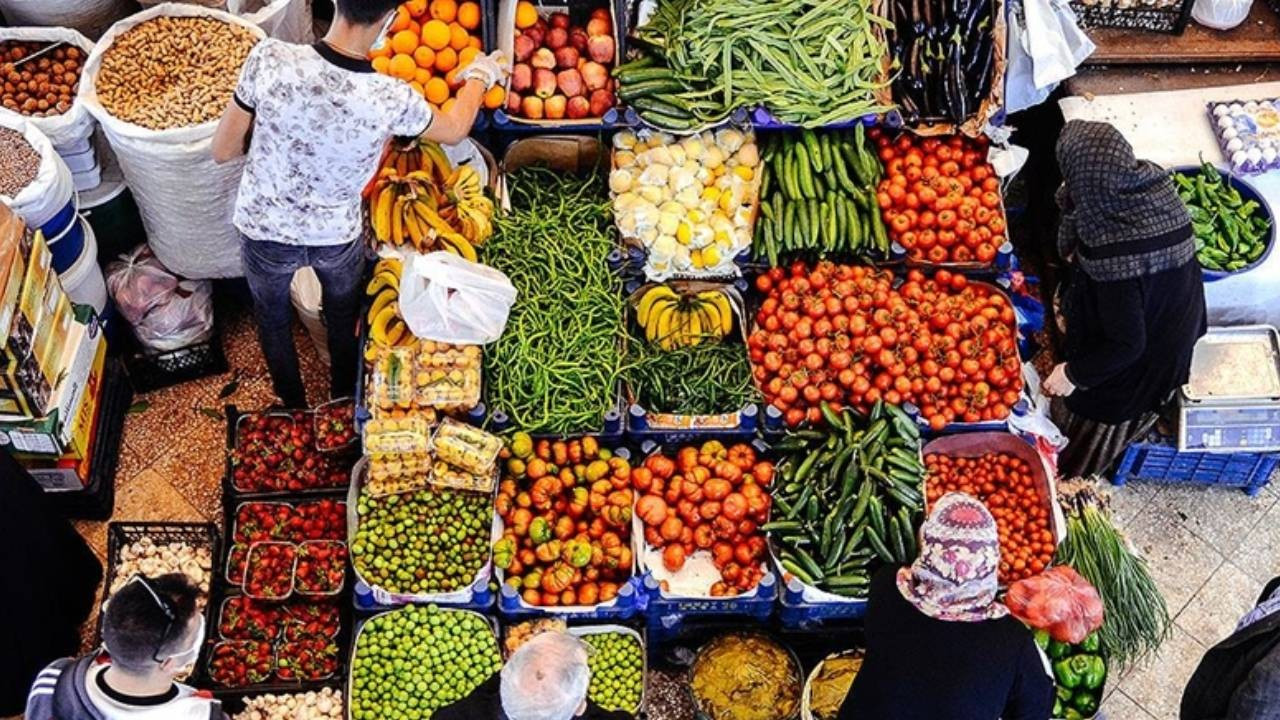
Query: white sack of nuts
pixel 157 82
pixel 73 125
pixel 90 17
pixel 149 559
pixel 51 190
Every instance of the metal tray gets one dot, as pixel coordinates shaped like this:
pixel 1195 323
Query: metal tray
pixel 1255 350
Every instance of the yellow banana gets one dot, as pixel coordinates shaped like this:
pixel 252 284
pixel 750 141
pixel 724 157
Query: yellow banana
pixel 378 327
pixel 381 214
pixel 724 308
pixel 644 308
pixel 382 280
pixel 692 330
pixel 390 264
pixel 652 312
pixel 664 329
pixel 458 245
pixel 381 301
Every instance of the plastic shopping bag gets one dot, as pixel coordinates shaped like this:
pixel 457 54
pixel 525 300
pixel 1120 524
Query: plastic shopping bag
pixel 446 298
pixel 1221 14
pixel 1058 600
pixel 1046 45
pixel 165 311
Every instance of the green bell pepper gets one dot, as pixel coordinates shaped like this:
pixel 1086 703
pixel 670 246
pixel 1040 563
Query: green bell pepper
pixel 1094 672
pixel 1062 693
pixel 1086 702
pixel 1058 650
pixel 1057 708
pixel 1042 639
pixel 1090 644
pixel 1072 714
pixel 1066 674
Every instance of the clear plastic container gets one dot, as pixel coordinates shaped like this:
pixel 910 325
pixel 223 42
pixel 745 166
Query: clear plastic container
pixel 236 653
pixel 304 583
pixel 335 425
pixel 391 382
pixel 253 568
pixel 445 475
pixel 466 447
pixel 447 377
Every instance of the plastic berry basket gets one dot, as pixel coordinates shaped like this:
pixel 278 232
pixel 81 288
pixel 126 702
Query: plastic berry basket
pixel 303 548
pixel 255 550
pixel 335 408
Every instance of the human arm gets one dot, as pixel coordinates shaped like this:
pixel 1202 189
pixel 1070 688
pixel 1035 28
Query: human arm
pixel 1124 332
pixel 1258 697
pixel 452 127
pixel 231 138
pixel 1031 697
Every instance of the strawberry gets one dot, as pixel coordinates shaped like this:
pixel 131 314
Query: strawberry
pixel 269 571
pixel 311 618
pixel 278 452
pixel 237 663
pixel 244 619
pixel 307 659
pixel 322 567
pixel 335 425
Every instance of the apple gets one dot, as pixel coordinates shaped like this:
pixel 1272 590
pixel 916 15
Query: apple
pixel 578 39
pixel 579 107
pixel 522 77
pixel 531 107
pixel 570 83
pixel 567 57
pixel 524 48
pixel 535 34
pixel 601 101
pixel 594 75
pixel 544 83
pixel 513 103
pixel 599 47
pixel 555 107
pixel 599 26
pixel 543 58
pixel 560 20
pixel 557 38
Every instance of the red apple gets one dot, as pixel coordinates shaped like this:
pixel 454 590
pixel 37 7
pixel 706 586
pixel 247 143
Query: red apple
pixel 599 47
pixel 535 34
pixel 531 107
pixel 524 48
pixel 601 101
pixel 567 57
pixel 513 103
pixel 579 107
pixel 594 75
pixel 570 83
pixel 557 38
pixel 599 26
pixel 560 20
pixel 578 39
pixel 555 107
pixel 522 77
pixel 543 58
pixel 544 83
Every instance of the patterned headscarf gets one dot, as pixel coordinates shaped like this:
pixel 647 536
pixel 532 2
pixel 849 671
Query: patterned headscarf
pixel 955 576
pixel 1121 217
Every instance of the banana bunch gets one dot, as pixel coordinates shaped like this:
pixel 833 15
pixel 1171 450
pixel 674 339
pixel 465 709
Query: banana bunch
pixel 673 320
pixel 386 327
pixel 420 200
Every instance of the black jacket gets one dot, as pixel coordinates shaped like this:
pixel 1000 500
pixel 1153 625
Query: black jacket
pixel 485 703
pixel 1239 678
pixel 60 693
pixel 1129 342
pixel 921 668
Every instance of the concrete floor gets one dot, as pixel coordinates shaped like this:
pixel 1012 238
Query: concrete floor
pixel 1210 550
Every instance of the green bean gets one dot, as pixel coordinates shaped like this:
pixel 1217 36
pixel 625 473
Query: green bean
pixel 556 367
pixel 706 379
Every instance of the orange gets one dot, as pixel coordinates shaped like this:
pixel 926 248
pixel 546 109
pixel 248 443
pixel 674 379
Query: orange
pixel 458 36
pixel 403 67
pixel 416 86
pixel 422 76
pixel 425 57
pixel 435 34
pixel 466 55
pixel 475 43
pixel 445 10
pixel 448 105
pixel 526 14
pixel 417 8
pixel 384 51
pixel 446 60
pixel 437 90
pixel 414 27
pixel 404 42
pixel 469 15
pixel 451 78
pixel 494 98
pixel 382 64
pixel 402 19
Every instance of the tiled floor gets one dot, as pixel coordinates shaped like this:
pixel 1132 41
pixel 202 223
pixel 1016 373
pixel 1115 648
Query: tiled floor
pixel 1210 550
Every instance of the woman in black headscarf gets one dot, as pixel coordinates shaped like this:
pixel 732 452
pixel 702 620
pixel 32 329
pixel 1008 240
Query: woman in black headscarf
pixel 1134 304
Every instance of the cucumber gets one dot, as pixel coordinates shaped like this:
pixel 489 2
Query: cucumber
pixel 630 92
pixel 803 174
pixel 811 145
pixel 627 70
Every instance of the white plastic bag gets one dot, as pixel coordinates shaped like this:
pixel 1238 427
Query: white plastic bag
pixel 1221 14
pixel 90 17
pixel 165 311
pixel 1046 45
pixel 75 124
pixel 51 189
pixel 446 298
pixel 185 199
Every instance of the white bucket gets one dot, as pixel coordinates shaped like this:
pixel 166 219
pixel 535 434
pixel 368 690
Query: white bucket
pixel 87 180
pixel 83 282
pixel 80 162
pixel 305 293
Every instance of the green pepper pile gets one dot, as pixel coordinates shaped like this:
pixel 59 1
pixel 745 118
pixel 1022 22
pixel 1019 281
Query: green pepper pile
pixel 1231 233
pixel 1079 671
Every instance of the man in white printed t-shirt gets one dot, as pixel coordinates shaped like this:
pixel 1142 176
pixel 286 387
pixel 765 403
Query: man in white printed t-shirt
pixel 314 121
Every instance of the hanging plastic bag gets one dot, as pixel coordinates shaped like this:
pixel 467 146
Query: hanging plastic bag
pixel 446 298
pixel 1058 600
pixel 165 311
pixel 1221 14
pixel 1046 45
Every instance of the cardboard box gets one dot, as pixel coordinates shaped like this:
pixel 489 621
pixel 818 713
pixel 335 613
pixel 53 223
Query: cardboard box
pixel 64 430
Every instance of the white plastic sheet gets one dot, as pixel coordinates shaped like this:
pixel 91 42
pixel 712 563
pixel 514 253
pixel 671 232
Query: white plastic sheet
pixel 185 199
pixel 1172 128
pixel 75 124
pixel 51 189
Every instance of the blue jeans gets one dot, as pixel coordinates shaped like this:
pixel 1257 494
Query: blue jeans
pixel 269 268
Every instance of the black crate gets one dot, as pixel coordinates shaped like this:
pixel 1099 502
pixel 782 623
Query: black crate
pixel 195 534
pixel 1172 20
pixel 153 371
pixel 233 496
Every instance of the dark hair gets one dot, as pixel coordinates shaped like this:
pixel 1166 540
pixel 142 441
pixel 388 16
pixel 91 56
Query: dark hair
pixel 365 12
pixel 134 624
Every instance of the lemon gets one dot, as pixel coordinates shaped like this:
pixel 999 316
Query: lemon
pixel 710 256
pixel 744 172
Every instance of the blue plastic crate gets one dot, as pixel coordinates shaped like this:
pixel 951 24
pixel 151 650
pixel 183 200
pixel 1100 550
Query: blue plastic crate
pixel 1157 462
pixel 794 612
pixel 665 618
pixel 629 602
pixel 747 421
pixel 363 600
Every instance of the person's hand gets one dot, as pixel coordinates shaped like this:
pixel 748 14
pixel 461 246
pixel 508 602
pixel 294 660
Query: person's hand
pixel 1058 384
pixel 489 69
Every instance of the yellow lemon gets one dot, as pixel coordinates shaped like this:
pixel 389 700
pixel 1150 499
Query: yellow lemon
pixel 710 256
pixel 744 172
pixel 684 233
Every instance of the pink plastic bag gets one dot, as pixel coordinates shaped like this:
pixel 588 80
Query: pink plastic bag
pixel 165 311
pixel 1058 600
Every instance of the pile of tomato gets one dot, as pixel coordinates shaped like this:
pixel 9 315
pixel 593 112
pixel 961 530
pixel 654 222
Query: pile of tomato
pixel 1006 485
pixel 845 335
pixel 940 199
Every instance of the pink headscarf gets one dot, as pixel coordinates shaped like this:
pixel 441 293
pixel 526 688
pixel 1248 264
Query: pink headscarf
pixel 955 577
